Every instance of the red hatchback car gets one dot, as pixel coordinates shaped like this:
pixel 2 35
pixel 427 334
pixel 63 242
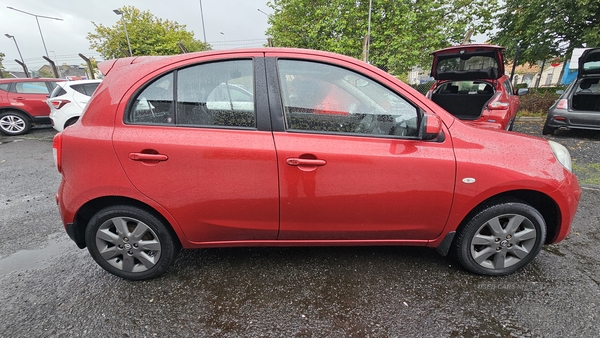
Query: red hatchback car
pixel 290 147
pixel 23 104
pixel 471 85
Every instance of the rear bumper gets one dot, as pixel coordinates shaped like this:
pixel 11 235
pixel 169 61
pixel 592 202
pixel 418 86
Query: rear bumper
pixel 575 119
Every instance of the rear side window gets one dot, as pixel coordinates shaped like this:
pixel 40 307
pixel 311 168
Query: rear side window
pixel 58 91
pixel 86 88
pixel 90 88
pixel 4 86
pixel 155 103
pixel 31 88
pixel 217 94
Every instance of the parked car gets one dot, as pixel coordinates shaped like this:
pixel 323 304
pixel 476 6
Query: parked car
pixel 322 149
pixel 578 107
pixel 68 100
pixel 471 85
pixel 23 103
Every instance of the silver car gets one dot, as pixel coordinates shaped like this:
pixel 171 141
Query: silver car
pixel 579 105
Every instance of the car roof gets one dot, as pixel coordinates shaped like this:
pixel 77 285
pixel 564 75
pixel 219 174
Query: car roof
pixel 31 79
pixel 106 66
pixel 468 47
pixel 76 82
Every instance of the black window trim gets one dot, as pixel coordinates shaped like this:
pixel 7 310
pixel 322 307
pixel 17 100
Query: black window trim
pixel 263 122
pixel 277 107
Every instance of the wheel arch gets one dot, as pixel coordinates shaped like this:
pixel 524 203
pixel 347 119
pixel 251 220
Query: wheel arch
pixel 89 209
pixel 24 112
pixel 543 203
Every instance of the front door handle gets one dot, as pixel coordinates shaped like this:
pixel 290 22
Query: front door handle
pixel 305 161
pixel 305 164
pixel 148 157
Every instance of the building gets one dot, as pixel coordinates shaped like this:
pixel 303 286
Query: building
pixel 70 72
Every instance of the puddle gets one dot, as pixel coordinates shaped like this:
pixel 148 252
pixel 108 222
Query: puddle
pixel 33 259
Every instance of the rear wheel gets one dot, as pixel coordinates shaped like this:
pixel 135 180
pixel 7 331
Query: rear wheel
pixel 548 130
pixel 130 242
pixel 14 123
pixel 501 238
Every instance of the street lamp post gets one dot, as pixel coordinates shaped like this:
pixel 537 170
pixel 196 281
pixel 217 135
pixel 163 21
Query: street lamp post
pixel 18 50
pixel 15 40
pixel 38 23
pixel 223 38
pixel 118 12
pixel 202 17
pixel 56 60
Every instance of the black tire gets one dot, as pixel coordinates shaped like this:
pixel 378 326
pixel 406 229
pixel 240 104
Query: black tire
pixel 548 130
pixel 14 123
pixel 508 235
pixel 142 248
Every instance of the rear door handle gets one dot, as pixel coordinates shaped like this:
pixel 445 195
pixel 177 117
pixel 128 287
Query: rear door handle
pixel 148 157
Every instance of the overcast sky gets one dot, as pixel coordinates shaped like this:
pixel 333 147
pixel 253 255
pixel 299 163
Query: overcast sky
pixel 240 22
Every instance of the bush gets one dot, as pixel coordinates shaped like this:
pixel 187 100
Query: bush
pixel 537 102
pixel 423 88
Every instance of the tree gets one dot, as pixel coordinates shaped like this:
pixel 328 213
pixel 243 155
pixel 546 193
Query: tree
pixel 548 28
pixel 2 55
pixel 403 33
pixel 148 35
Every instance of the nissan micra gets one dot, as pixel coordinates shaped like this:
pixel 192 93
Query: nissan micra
pixel 291 147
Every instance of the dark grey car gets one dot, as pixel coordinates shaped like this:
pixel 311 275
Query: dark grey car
pixel 579 106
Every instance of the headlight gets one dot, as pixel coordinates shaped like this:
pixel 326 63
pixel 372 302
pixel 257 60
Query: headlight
pixel 562 154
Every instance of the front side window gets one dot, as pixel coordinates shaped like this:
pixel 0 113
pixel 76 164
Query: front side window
pixel 324 98
pixel 215 94
pixel 508 87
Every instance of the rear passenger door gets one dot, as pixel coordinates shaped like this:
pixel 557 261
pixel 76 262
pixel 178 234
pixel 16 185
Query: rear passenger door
pixel 31 96
pixel 197 141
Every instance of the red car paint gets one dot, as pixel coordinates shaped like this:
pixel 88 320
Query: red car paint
pixel 273 186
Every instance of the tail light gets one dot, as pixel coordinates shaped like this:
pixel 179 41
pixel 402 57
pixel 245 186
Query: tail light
pixel 57 151
pixel 563 104
pixel 497 104
pixel 59 103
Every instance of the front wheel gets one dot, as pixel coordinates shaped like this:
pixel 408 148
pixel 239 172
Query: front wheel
pixel 501 238
pixel 14 123
pixel 130 242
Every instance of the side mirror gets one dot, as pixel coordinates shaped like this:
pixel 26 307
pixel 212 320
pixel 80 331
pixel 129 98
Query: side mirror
pixel 431 127
pixel 522 91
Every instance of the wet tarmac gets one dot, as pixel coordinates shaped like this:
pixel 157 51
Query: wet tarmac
pixel 50 288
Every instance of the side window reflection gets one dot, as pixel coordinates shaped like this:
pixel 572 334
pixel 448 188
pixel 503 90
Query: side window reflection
pixel 155 103
pixel 216 94
pixel 325 98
